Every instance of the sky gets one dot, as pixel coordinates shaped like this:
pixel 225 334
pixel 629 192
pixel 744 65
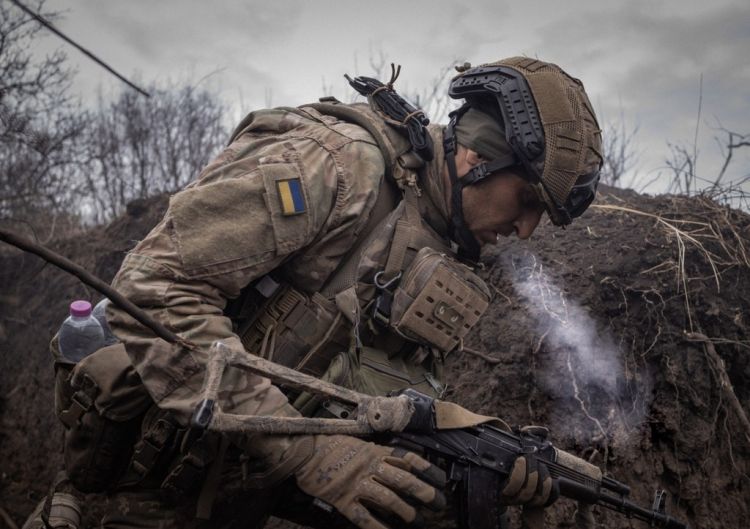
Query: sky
pixel 646 65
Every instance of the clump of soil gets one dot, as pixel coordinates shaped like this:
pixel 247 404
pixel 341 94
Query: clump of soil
pixel 625 334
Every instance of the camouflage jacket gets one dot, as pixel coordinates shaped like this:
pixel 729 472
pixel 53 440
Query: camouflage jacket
pixel 291 192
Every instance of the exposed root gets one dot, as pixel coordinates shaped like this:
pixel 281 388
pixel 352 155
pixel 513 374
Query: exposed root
pixel 725 384
pixel 532 371
pixel 484 356
pixel 584 409
pixel 503 294
pixel 7 519
pixel 731 449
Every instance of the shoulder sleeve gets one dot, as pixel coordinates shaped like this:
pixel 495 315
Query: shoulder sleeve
pixel 240 220
pixel 360 167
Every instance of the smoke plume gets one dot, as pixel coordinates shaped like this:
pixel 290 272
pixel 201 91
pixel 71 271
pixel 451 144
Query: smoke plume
pixel 585 363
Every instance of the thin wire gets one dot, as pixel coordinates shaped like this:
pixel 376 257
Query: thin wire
pixel 83 50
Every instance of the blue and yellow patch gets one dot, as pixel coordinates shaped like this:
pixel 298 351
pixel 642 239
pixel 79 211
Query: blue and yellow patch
pixel 291 196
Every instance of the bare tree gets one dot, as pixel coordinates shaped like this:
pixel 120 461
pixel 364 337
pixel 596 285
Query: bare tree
pixel 40 124
pixel 681 163
pixel 139 147
pixel 434 99
pixel 619 152
pixel 734 141
pixel 686 180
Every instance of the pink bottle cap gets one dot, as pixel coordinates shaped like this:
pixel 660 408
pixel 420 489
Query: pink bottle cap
pixel 80 308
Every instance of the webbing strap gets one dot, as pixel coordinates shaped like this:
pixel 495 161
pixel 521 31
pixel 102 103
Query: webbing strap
pixel 149 449
pixel 412 233
pixel 397 253
pixel 80 403
pixel 406 228
pixel 346 275
pixel 211 484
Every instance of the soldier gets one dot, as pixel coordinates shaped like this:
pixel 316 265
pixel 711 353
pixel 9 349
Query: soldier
pixel 316 239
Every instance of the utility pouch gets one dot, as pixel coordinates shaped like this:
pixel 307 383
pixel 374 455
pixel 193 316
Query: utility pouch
pixel 341 372
pixel 438 301
pixel 381 374
pixel 292 329
pixel 100 401
pixel 373 372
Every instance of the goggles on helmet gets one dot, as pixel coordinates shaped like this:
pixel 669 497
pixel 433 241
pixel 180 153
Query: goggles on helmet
pixel 504 92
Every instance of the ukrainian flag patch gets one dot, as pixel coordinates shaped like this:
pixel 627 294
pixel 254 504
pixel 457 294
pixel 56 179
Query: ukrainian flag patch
pixel 291 196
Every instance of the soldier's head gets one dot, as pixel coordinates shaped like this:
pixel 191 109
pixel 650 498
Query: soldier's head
pixel 525 141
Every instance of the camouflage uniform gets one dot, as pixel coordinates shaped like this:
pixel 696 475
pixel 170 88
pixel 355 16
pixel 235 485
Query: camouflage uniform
pixel 232 226
pixel 301 208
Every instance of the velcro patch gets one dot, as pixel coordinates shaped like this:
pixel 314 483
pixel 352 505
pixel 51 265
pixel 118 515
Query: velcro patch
pixel 291 196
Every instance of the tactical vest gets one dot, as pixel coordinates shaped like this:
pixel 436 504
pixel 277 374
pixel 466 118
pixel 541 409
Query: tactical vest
pixel 384 320
pixel 395 306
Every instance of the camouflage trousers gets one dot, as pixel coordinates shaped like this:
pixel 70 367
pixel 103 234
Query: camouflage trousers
pixel 149 509
pixel 232 508
pixel 156 508
pixel 152 509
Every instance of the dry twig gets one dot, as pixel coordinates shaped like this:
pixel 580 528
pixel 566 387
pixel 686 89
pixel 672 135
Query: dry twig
pixel 484 356
pixel 717 364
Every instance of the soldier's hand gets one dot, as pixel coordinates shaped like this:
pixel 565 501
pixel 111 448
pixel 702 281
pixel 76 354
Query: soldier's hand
pixel 529 483
pixel 369 483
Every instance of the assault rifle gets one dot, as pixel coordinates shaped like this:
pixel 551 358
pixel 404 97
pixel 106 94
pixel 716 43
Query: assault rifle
pixel 477 461
pixel 476 456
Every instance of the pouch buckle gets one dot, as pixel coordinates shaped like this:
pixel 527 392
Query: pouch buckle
pixel 80 403
pixel 381 306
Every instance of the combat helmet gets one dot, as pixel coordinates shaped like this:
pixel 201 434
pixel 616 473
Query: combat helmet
pixel 551 129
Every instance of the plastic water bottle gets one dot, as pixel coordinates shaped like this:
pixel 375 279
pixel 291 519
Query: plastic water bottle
pixel 100 313
pixel 80 334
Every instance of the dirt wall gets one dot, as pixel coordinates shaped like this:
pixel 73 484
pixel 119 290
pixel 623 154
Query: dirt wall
pixel 596 332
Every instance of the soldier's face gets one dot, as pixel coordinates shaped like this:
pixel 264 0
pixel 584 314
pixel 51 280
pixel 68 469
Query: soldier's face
pixel 501 205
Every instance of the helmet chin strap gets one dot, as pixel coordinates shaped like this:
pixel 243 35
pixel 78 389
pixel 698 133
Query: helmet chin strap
pixel 467 243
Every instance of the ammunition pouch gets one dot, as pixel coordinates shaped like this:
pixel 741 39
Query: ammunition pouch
pixel 188 471
pixel 170 457
pixel 382 374
pixel 373 372
pixel 101 402
pixel 114 434
pixel 437 301
pixel 293 329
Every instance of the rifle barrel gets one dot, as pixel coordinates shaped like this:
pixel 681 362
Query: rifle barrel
pixel 627 507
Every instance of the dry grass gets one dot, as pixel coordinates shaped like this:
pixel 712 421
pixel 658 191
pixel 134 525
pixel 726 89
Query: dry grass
pixel 698 235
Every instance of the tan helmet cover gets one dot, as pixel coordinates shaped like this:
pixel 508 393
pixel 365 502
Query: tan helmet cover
pixel 573 142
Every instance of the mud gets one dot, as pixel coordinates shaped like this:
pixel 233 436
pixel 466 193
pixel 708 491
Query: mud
pixel 593 330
